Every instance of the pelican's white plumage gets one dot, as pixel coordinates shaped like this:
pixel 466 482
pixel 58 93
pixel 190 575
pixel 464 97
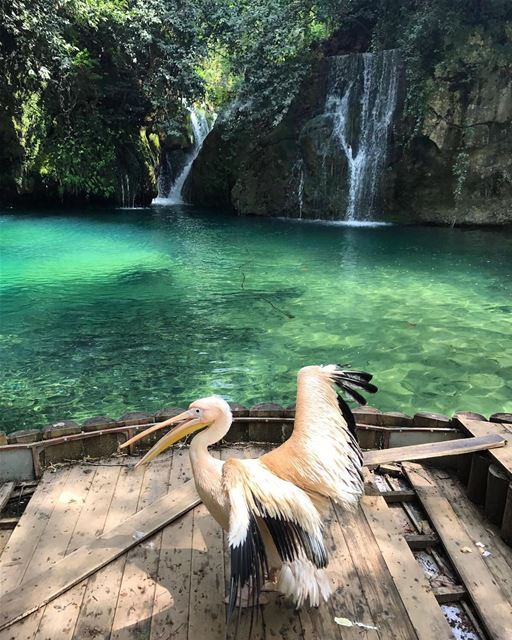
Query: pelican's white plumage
pixel 322 455
pixel 272 506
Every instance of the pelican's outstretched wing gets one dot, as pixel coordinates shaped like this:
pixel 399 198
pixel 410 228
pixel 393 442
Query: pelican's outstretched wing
pixel 322 455
pixel 263 504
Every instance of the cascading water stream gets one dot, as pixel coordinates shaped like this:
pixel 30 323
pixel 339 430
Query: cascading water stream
pixel 200 129
pixel 362 98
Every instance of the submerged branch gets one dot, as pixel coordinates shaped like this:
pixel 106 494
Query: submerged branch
pixel 287 314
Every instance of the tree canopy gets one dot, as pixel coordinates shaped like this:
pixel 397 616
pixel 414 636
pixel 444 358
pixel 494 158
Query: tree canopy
pixel 90 88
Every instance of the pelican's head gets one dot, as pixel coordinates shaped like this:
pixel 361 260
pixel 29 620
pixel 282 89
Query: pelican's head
pixel 200 414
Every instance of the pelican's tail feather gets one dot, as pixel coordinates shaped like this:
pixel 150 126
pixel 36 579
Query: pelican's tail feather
pixel 304 583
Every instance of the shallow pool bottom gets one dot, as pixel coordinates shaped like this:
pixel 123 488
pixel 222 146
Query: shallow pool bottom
pixel 110 311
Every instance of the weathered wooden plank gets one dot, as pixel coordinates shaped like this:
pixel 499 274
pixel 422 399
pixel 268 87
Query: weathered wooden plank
pixel 8 523
pixel 400 495
pixel 421 525
pixel 489 600
pixel 434 449
pixel 25 538
pixel 449 594
pixel 380 591
pixel 6 488
pixel 208 617
pixel 24 629
pixel 172 593
pixel 88 559
pixel 410 581
pixel 348 599
pixel 132 617
pixel 52 545
pixel 500 560
pixel 281 622
pixel 60 615
pixel 478 428
pixel 5 534
pixel 100 598
pixel 420 540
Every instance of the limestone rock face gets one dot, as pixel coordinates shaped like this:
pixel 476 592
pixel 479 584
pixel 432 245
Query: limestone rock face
pixel 459 171
pixel 456 170
pixel 253 173
pixel 212 176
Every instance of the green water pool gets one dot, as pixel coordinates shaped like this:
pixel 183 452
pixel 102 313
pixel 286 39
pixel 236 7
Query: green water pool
pixel 112 311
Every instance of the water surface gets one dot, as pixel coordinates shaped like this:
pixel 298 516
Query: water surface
pixel 113 311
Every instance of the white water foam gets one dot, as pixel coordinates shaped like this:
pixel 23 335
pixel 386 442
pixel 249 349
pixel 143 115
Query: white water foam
pixel 200 129
pixel 370 224
pixel 363 109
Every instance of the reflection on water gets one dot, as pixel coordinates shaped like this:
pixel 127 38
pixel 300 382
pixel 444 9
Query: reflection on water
pixel 118 310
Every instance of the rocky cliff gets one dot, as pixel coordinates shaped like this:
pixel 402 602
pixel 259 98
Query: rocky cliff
pixel 458 169
pixel 455 167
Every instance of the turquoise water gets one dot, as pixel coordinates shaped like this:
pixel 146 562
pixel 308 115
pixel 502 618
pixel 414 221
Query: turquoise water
pixel 114 311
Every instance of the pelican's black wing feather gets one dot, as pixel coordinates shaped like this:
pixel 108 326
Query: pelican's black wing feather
pixel 249 561
pixel 248 567
pixel 346 381
pixel 292 541
pixel 364 375
pixel 348 415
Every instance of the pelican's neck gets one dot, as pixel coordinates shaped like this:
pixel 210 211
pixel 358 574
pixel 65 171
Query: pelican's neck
pixel 207 470
pixel 216 431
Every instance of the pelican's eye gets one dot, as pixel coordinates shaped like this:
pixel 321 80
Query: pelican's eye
pixel 197 412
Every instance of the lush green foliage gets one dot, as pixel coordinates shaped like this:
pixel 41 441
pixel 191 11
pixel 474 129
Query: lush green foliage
pixel 84 77
pixel 270 45
pixel 89 87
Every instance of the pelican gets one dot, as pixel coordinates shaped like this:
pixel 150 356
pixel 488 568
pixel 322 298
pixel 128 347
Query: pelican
pixel 272 506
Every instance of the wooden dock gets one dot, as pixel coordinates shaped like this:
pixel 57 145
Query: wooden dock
pixel 417 562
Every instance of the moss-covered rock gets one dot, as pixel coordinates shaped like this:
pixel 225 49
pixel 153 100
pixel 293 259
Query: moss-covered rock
pixel 459 169
pixel 449 164
pixel 214 172
pixel 254 171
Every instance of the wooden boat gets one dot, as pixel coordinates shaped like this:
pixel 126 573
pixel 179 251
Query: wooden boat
pixel 102 551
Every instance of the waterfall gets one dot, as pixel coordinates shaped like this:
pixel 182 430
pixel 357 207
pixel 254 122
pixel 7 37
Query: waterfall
pixel 173 194
pixel 127 193
pixel 296 185
pixel 164 182
pixel 300 191
pixel 362 92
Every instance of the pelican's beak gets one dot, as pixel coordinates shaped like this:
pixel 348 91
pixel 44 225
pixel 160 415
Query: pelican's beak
pixel 189 423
